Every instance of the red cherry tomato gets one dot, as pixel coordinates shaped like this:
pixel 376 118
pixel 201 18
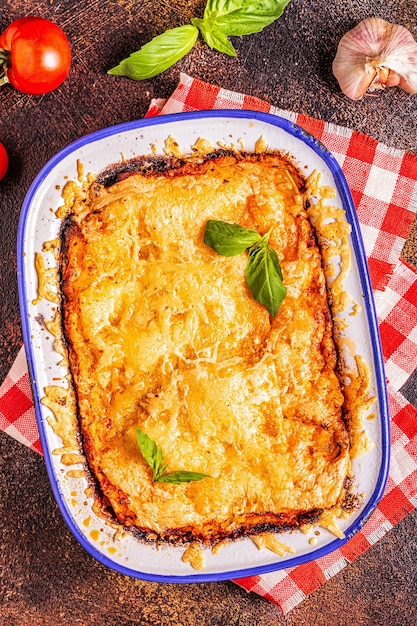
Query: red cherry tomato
pixel 36 55
pixel 4 161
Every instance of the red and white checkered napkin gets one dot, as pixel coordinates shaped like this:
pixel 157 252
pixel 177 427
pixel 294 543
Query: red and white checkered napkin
pixel 383 182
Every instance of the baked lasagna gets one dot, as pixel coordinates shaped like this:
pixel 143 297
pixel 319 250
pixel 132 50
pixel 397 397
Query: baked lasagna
pixel 165 338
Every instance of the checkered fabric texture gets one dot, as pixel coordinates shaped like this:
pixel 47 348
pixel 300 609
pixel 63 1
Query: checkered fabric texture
pixel 383 182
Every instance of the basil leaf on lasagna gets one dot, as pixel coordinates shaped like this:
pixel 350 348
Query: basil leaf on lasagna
pixel 152 454
pixel 263 270
pixel 181 477
pixel 229 239
pixel 264 276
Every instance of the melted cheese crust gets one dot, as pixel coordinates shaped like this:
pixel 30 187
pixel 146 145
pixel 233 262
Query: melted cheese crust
pixel 163 334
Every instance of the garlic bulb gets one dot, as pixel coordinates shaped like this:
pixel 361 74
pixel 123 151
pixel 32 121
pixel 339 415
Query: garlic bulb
pixel 374 55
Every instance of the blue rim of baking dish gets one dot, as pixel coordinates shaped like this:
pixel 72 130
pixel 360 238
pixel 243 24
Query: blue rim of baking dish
pixel 348 205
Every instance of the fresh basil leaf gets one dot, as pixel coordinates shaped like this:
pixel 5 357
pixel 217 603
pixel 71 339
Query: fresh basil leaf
pixel 242 17
pixel 263 269
pixel 151 452
pixel 213 36
pixel 181 477
pixel 264 276
pixel 158 54
pixel 229 239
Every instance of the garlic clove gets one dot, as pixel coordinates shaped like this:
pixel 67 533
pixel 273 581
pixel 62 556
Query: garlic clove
pixel 401 57
pixel 373 55
pixel 393 79
pixel 355 76
pixel 410 86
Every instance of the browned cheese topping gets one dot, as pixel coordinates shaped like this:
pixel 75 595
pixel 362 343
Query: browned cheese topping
pixel 164 335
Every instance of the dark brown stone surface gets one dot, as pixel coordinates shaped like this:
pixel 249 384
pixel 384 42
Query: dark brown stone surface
pixel 46 578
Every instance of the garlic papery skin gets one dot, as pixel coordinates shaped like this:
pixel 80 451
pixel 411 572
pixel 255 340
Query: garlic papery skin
pixel 373 55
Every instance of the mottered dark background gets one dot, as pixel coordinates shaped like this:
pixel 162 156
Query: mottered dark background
pixel 46 578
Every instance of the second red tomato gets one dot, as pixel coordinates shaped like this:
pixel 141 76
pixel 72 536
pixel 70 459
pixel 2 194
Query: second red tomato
pixel 4 161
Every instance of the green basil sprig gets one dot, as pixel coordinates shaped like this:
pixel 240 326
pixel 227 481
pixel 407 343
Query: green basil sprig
pixel 263 270
pixel 159 54
pixel 152 454
pixel 229 239
pixel 221 19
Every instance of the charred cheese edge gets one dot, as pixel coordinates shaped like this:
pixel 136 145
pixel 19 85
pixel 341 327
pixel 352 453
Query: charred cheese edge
pixel 163 334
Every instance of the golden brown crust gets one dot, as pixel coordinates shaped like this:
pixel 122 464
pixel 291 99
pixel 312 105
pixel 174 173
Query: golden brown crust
pixel 164 335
